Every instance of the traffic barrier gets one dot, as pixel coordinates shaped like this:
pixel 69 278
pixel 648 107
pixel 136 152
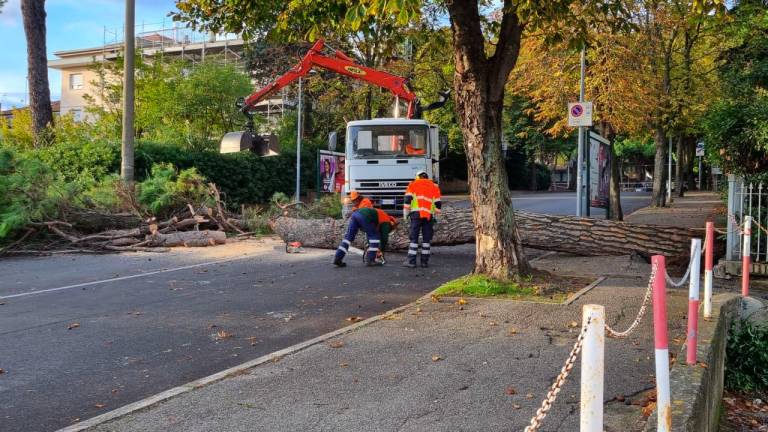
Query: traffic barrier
pixel 592 369
pixel 693 302
pixel 663 398
pixel 709 244
pixel 745 256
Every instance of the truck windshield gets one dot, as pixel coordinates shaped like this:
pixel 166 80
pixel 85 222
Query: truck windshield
pixel 388 141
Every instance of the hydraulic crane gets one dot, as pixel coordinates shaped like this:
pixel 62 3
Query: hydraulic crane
pixel 336 62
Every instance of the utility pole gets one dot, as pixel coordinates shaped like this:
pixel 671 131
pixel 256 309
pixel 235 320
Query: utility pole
pixel 127 162
pixel 580 145
pixel 298 147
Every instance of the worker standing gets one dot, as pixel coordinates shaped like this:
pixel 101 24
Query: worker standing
pixel 422 203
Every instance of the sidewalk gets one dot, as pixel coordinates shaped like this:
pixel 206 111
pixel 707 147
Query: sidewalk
pixel 482 366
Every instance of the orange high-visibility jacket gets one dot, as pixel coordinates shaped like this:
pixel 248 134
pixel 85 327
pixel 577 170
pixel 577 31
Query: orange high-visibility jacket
pixel 422 196
pixel 364 203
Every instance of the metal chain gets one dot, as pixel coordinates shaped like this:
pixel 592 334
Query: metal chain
pixel 546 404
pixel 611 333
pixel 685 276
pixel 759 226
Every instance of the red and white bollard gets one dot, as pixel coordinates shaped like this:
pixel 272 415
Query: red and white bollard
pixel 663 397
pixel 745 256
pixel 592 369
pixel 709 247
pixel 693 302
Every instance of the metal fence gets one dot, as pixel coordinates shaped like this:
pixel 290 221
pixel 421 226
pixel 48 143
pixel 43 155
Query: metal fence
pixel 746 198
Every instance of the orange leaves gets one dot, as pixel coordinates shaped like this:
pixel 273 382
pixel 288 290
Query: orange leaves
pixel 223 334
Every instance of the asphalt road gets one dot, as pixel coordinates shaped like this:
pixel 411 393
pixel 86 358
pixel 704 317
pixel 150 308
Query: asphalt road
pixel 563 203
pixel 80 335
pixel 74 344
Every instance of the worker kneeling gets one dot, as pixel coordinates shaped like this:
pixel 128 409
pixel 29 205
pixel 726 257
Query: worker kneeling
pixel 422 203
pixel 377 225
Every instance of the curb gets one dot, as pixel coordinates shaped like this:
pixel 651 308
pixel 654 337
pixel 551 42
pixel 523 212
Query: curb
pixel 575 296
pixel 219 376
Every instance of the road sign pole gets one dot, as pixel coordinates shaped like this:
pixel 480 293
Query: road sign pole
pixel 580 173
pixel 700 185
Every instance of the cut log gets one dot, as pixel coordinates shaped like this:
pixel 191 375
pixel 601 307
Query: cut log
pixel 579 236
pixel 188 238
pixel 93 222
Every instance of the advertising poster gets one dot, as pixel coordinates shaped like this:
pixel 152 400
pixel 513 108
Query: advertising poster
pixel 599 170
pixel 331 171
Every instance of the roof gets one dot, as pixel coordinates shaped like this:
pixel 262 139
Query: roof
pixel 388 122
pixel 55 107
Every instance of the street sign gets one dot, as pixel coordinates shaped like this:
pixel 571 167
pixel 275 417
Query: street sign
pixel 700 148
pixel 580 114
pixel 717 170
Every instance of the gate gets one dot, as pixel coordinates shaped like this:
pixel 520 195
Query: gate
pixel 747 198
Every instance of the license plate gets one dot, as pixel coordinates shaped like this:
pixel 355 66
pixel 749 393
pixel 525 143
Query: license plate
pixel 387 202
pixel 387 184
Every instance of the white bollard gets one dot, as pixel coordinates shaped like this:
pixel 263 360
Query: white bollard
pixel 592 368
pixel 693 302
pixel 709 244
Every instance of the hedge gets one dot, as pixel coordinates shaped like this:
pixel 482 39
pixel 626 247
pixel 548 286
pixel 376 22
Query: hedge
pixel 243 178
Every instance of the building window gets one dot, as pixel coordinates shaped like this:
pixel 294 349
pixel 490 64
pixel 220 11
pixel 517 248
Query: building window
pixel 76 81
pixel 77 114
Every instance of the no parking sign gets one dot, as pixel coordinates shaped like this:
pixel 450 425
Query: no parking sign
pixel 580 114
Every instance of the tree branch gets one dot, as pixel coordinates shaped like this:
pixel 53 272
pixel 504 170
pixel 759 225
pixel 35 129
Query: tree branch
pixel 507 50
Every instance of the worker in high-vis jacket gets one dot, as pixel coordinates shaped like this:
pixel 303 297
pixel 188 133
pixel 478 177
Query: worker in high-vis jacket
pixel 422 204
pixel 377 225
pixel 359 201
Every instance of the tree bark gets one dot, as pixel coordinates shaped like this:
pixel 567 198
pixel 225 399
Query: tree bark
pixel 658 199
pixel 579 236
pixel 188 238
pixel 614 190
pixel 478 91
pixel 680 168
pixel 33 12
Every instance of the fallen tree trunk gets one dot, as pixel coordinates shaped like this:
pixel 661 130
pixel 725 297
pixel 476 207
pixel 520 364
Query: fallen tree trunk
pixel 579 236
pixel 187 238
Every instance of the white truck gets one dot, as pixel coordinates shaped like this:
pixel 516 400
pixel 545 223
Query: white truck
pixel 384 155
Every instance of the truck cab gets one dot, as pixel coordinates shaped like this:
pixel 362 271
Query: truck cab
pixel 384 155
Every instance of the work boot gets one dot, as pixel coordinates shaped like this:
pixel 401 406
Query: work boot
pixel 339 263
pixel 424 262
pixel 374 264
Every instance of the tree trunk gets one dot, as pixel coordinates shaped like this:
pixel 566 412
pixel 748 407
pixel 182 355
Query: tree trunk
pixel 691 162
pixel 478 83
pixel 188 238
pixel 680 167
pixel 658 198
pixel 33 12
pixel 579 236
pixel 614 190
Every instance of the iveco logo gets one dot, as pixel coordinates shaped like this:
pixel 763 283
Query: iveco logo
pixel 387 184
pixel 354 70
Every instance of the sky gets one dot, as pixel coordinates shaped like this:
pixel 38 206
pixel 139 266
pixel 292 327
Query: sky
pixel 70 24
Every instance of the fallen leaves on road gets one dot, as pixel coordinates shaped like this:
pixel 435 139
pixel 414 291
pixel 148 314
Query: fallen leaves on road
pixel 493 323
pixel 354 319
pixel 436 358
pixel 647 410
pixel 745 413
pixel 223 334
pixel 529 396
pixel 73 326
pixel 573 324
pixel 252 340
pixel 512 331
pixel 100 405
pixel 461 301
pixel 510 391
pixel 135 313
pixel 434 298
pixel 418 310
pixel 343 365
pixel 336 344
pixel 392 317
pixel 2 371
pixel 515 406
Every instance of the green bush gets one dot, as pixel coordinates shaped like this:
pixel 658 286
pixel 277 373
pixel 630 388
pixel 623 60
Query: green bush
pixel 243 178
pixel 746 357
pixel 31 192
pixel 80 159
pixel 167 190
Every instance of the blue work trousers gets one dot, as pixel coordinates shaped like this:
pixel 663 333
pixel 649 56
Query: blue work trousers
pixel 358 222
pixel 420 227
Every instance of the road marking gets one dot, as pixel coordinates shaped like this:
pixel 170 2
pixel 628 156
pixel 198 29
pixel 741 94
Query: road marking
pixel 84 284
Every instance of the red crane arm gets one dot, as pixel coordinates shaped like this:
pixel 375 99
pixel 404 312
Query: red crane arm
pixel 342 64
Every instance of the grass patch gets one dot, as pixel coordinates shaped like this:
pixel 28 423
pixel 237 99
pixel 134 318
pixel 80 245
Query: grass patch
pixel 540 287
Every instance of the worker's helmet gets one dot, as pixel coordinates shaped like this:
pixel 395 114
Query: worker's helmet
pixel 422 174
pixel 354 195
